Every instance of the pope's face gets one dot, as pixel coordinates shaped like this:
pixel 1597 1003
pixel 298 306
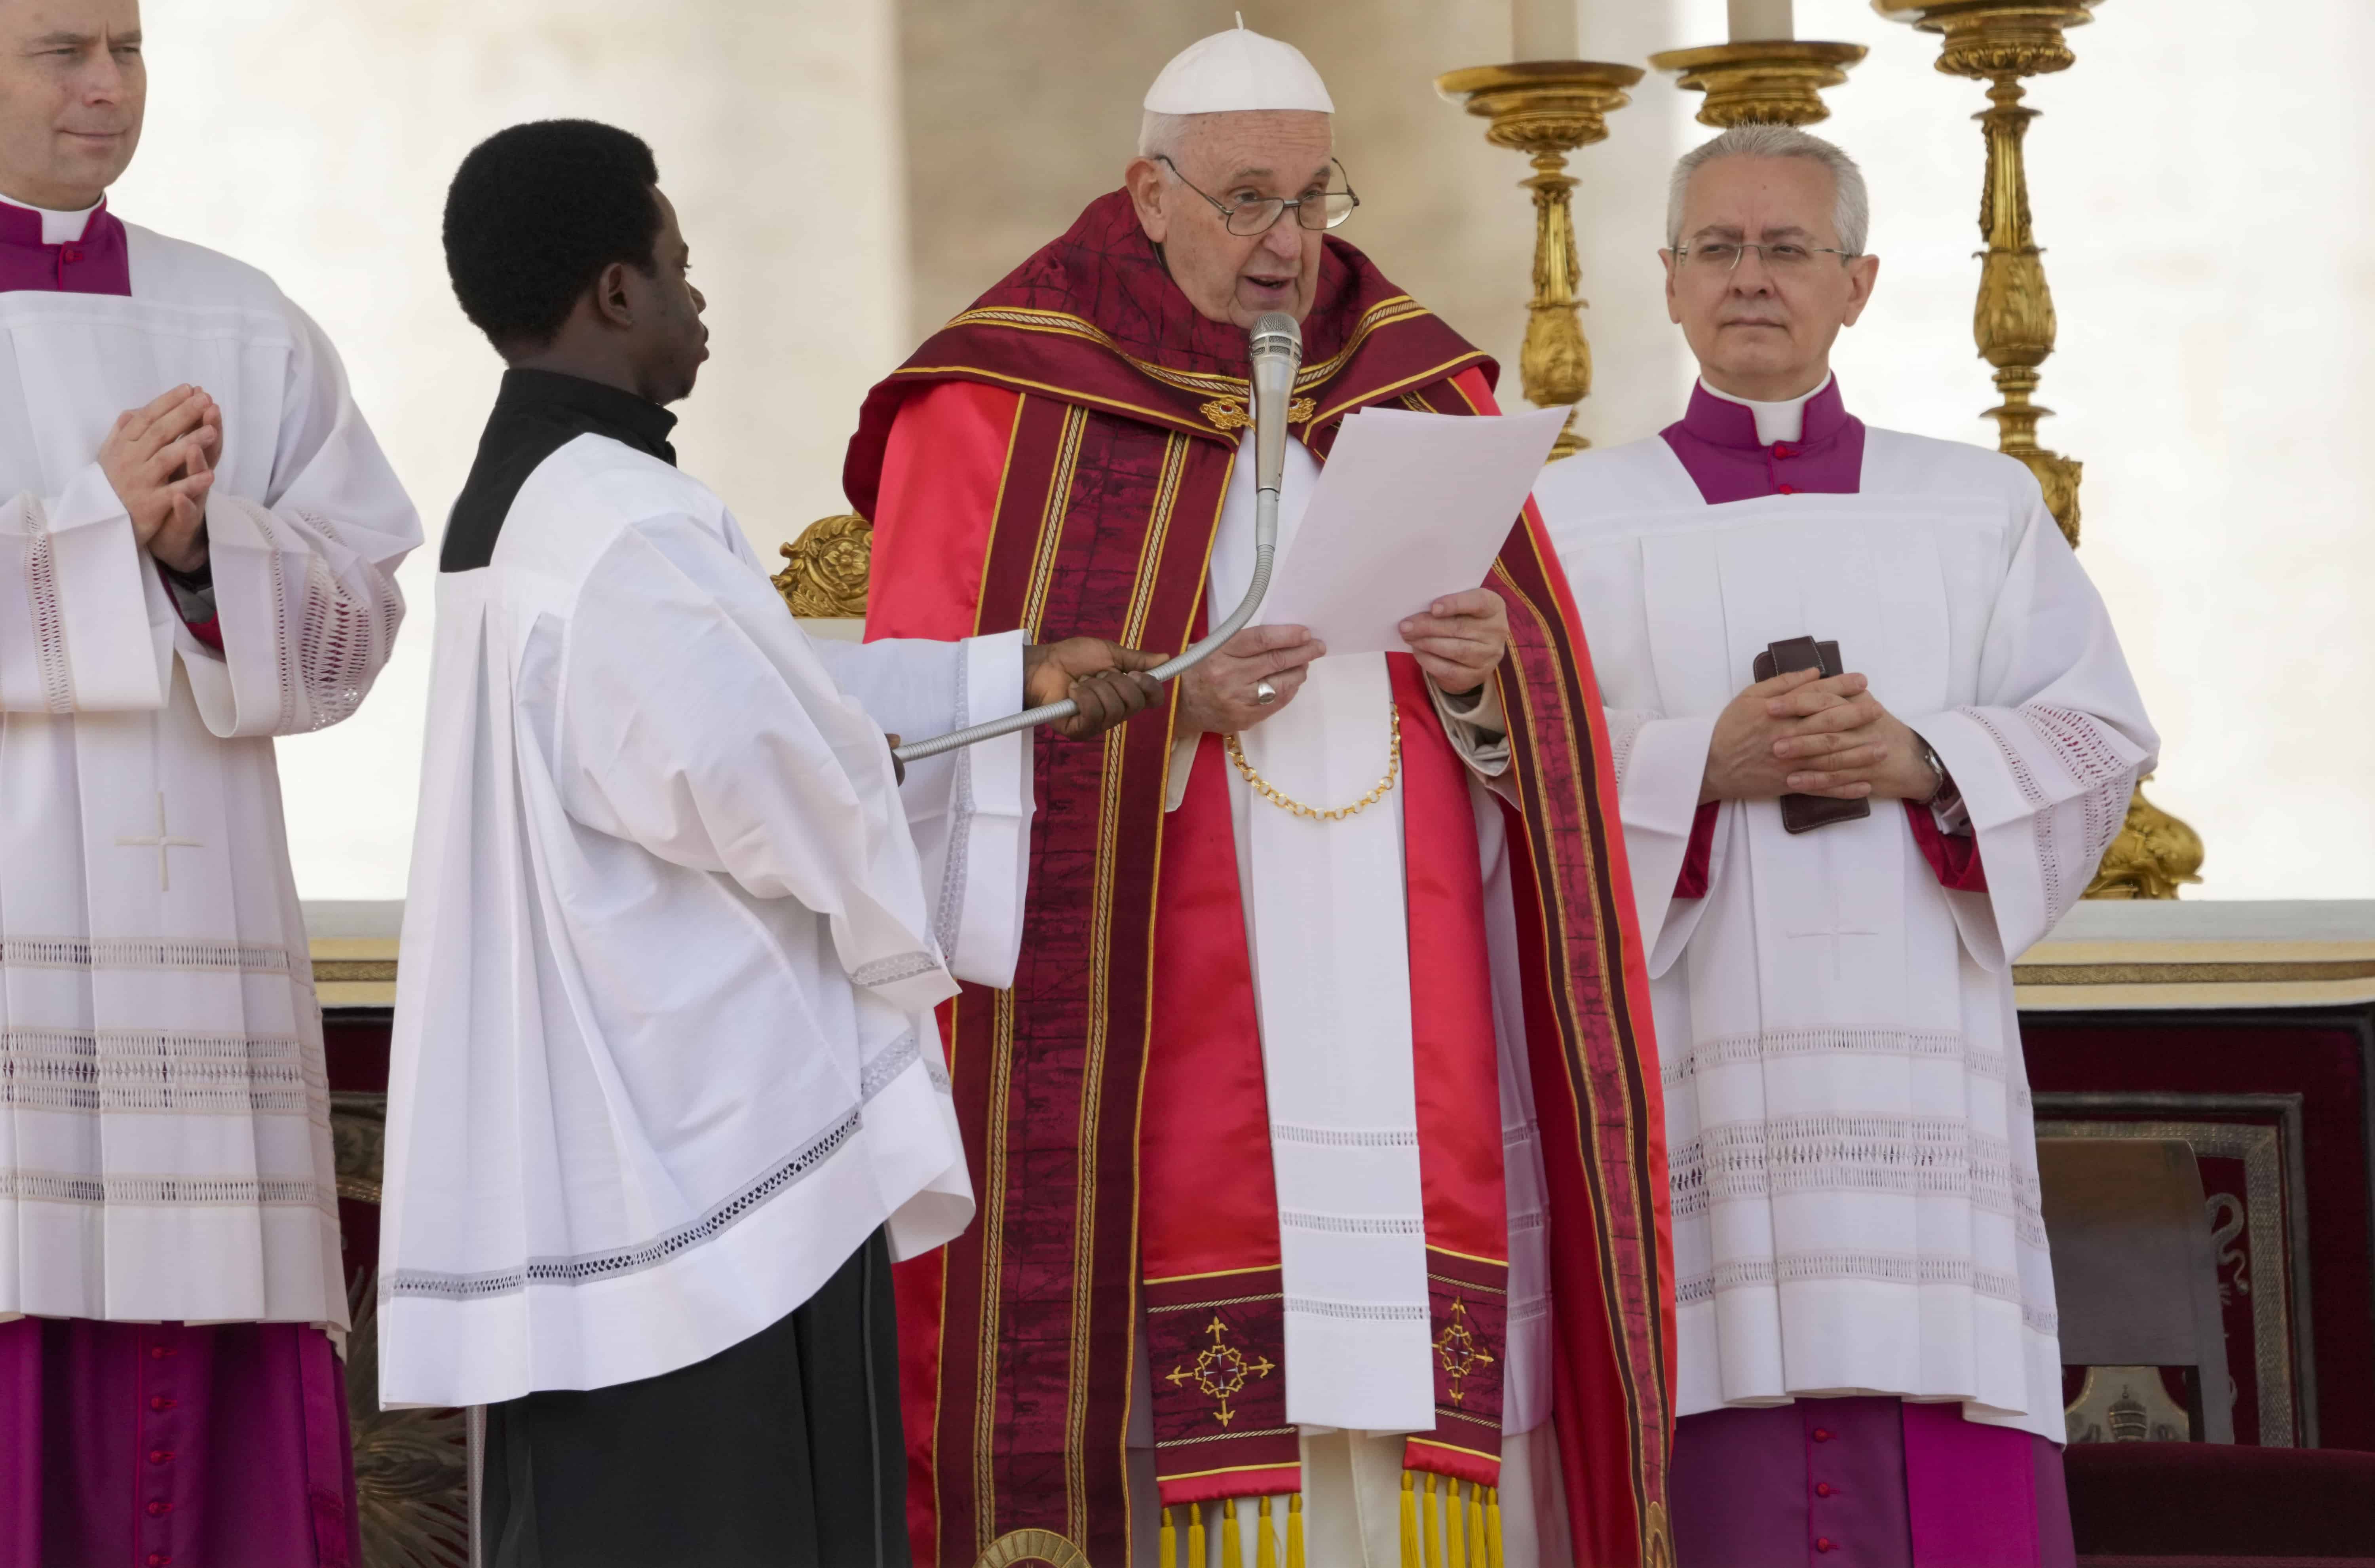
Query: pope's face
pixel 1763 329
pixel 72 89
pixel 1235 159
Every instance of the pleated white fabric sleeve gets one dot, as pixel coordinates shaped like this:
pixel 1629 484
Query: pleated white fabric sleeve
pixel 1660 763
pixel 698 722
pixel 2049 755
pixel 304 576
pixel 969 810
pixel 89 629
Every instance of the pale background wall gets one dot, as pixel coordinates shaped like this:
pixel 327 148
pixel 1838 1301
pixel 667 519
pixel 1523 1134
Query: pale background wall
pixel 316 138
pixel 849 175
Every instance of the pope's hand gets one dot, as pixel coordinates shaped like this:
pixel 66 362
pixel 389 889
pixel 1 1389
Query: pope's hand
pixel 1222 695
pixel 1460 640
pixel 1802 733
pixel 160 461
pixel 1102 676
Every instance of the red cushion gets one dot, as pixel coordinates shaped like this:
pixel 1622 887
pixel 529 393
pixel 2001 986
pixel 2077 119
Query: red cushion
pixel 2205 1500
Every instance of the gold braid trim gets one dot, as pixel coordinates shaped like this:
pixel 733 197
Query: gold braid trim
pixel 1271 792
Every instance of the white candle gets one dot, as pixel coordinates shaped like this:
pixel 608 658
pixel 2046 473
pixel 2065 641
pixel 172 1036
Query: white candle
pixel 1760 21
pixel 1545 30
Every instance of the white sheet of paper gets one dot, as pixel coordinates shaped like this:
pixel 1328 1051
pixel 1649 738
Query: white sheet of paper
pixel 1408 507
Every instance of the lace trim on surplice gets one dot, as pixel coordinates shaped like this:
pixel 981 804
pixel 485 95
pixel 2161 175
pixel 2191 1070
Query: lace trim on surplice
pixel 150 1070
pixel 1876 1267
pixel 49 615
pixel 141 952
pixel 1901 1155
pixel 1736 1050
pixel 2106 782
pixel 133 1191
pixel 611 1263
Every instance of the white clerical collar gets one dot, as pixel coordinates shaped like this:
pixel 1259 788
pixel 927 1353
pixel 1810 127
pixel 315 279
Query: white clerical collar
pixel 58 228
pixel 1785 421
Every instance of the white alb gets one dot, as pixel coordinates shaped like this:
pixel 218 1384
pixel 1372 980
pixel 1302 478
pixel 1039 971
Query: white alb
pixel 164 1116
pixel 1847 1115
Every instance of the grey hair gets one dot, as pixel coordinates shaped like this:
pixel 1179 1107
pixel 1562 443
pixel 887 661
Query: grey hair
pixel 1854 216
pixel 1160 135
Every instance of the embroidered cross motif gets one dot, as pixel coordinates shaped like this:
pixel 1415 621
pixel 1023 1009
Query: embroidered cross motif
pixel 1833 934
pixel 161 842
pixel 1222 1370
pixel 1229 414
pixel 1460 1353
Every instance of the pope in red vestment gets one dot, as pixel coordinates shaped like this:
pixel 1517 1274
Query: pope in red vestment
pixel 1110 1340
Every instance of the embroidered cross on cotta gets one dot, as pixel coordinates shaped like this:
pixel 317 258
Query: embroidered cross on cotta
pixel 164 842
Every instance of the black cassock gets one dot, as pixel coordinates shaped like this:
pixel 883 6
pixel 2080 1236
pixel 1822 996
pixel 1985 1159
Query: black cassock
pixel 781 1451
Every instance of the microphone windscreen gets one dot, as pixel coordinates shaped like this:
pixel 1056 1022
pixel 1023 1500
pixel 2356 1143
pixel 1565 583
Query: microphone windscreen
pixel 1275 332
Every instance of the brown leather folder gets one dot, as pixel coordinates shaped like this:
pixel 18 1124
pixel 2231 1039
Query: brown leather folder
pixel 1804 813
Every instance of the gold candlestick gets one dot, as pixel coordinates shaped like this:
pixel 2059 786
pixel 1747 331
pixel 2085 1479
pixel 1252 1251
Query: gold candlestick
pixel 2001 41
pixel 1777 83
pixel 1548 109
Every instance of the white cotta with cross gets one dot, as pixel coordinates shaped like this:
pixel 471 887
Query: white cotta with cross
pixel 1849 1125
pixel 164 1113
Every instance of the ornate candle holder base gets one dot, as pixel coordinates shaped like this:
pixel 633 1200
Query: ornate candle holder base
pixel 2002 43
pixel 2153 855
pixel 1779 83
pixel 1547 109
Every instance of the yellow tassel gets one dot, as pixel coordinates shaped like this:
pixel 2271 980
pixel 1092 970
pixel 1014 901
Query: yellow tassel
pixel 1232 1546
pixel 1453 1523
pixel 1432 1525
pixel 1265 1547
pixel 1294 1531
pixel 1410 1525
pixel 1167 1551
pixel 1196 1557
pixel 1477 1550
pixel 1493 1528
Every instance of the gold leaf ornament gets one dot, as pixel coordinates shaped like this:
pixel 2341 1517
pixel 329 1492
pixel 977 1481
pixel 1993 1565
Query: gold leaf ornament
pixel 827 568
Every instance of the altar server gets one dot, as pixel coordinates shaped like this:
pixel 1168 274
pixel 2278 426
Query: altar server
pixel 667 1094
pixel 197 553
pixel 1866 1326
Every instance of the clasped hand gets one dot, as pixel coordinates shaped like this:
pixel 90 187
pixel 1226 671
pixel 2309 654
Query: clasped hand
pixel 1802 734
pixel 1458 641
pixel 1104 677
pixel 160 460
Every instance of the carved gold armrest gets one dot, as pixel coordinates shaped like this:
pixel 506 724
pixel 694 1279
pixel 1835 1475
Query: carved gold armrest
pixel 825 570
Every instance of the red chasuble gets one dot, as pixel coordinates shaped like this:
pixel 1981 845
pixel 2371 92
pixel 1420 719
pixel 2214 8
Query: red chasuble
pixel 1055 459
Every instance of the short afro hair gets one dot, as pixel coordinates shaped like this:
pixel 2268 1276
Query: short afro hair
pixel 533 215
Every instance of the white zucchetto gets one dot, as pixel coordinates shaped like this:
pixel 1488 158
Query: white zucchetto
pixel 1237 70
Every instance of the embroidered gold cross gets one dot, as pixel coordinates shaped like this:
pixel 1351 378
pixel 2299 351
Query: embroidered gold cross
pixel 1220 1370
pixel 1460 1353
pixel 161 842
pixel 1229 414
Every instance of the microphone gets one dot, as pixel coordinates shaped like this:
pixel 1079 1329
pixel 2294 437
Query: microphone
pixel 1274 347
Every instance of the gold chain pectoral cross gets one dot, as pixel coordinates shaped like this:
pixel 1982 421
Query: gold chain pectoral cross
pixel 1460 1353
pixel 161 842
pixel 1220 1370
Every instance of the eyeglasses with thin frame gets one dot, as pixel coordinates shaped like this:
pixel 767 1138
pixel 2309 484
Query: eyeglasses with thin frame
pixel 1246 220
pixel 1785 257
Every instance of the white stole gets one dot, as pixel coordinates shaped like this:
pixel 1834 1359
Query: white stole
pixel 1329 940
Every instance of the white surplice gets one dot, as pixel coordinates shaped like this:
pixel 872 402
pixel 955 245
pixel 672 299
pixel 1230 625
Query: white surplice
pixel 664 1053
pixel 1329 940
pixel 164 1118
pixel 1854 1164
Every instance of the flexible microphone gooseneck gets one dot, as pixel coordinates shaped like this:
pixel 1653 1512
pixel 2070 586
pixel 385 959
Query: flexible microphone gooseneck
pixel 1275 347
